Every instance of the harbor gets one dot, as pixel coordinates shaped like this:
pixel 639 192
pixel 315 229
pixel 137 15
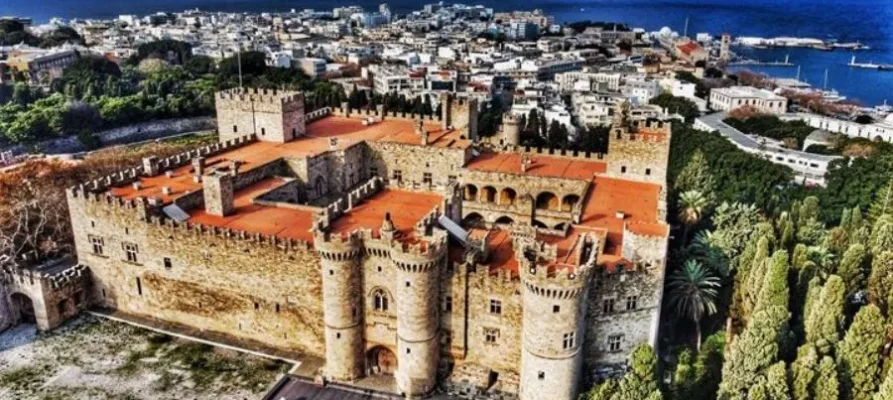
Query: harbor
pixel 797 42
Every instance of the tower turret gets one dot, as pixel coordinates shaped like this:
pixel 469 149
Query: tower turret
pixel 343 316
pixel 553 324
pixel 418 269
pixel 511 134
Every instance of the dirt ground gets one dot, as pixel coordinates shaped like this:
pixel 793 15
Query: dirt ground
pixel 91 358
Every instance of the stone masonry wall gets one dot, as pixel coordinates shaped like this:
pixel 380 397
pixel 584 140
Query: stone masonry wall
pixel 414 161
pixel 124 134
pixel 202 279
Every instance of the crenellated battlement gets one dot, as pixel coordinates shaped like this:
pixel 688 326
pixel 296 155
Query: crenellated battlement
pixel 379 114
pixel 339 248
pixel 153 166
pixel 258 95
pixel 562 153
pixel 559 280
pixel 231 236
pixel 67 277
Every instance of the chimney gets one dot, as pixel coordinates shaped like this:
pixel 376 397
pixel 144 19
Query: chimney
pixel 150 166
pixel 218 191
pixel 424 137
pixel 446 105
pixel 234 166
pixel 333 143
pixel 198 166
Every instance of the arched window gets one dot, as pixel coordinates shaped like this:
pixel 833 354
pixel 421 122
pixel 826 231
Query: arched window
pixel 507 196
pixel 471 192
pixel 489 194
pixel 569 201
pixel 379 300
pixel 547 201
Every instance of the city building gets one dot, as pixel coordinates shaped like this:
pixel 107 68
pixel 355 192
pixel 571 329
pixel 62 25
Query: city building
pixel 727 99
pixel 390 247
pixel 313 67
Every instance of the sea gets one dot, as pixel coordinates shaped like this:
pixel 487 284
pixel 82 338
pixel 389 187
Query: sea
pixel 867 21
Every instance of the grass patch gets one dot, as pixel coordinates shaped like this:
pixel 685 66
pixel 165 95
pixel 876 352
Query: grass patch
pixel 23 379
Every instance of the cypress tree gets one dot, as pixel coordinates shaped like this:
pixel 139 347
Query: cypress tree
pixel 852 269
pixel 882 235
pixel 685 378
pixel 883 202
pixel 753 352
pixel 603 391
pixel 880 282
pixel 777 382
pixel 775 291
pixel 756 277
pixel 641 381
pixel 826 319
pixel 826 385
pixel 886 390
pixel 803 373
pixel 859 354
pixel 695 175
pixel 708 367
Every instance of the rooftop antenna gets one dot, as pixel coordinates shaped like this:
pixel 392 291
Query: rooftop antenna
pixel 239 58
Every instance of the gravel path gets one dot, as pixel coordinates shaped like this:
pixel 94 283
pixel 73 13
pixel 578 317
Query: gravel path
pixel 93 359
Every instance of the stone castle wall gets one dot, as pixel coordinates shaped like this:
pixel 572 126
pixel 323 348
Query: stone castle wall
pixel 200 277
pixel 272 115
pixel 642 154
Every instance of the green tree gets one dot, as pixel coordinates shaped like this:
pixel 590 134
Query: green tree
pixel 826 319
pixel 641 380
pixel 882 203
pixel 881 238
pixel 885 392
pixel 827 386
pixel 753 352
pixel 777 382
pixel 692 207
pixel 695 176
pixel 692 293
pixel 677 105
pixel 859 354
pixel 685 382
pixel 852 269
pixel 880 282
pixel 803 373
pixel 604 391
pixel 708 366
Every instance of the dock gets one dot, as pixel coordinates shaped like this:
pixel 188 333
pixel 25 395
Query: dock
pixel 777 63
pixel 870 65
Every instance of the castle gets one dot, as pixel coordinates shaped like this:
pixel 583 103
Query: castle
pixel 392 245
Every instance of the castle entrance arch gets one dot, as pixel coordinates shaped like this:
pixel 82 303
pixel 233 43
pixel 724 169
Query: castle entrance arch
pixel 381 360
pixel 25 306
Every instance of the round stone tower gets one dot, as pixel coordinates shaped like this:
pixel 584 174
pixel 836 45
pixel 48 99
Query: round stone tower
pixel 343 314
pixel 511 133
pixel 418 326
pixel 553 325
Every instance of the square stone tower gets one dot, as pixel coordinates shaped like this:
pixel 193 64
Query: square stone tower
pixel 272 115
pixel 638 150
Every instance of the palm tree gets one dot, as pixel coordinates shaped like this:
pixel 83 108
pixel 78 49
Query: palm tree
pixel 692 293
pixel 692 206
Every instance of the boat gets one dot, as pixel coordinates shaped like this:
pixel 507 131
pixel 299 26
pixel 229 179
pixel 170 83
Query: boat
pixel 832 96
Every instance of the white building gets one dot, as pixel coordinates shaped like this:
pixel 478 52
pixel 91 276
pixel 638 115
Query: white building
pixel 313 67
pixel 728 99
pixel 879 131
pixel 640 91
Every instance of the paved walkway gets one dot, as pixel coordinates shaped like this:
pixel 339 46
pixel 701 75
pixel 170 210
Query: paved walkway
pixel 749 144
